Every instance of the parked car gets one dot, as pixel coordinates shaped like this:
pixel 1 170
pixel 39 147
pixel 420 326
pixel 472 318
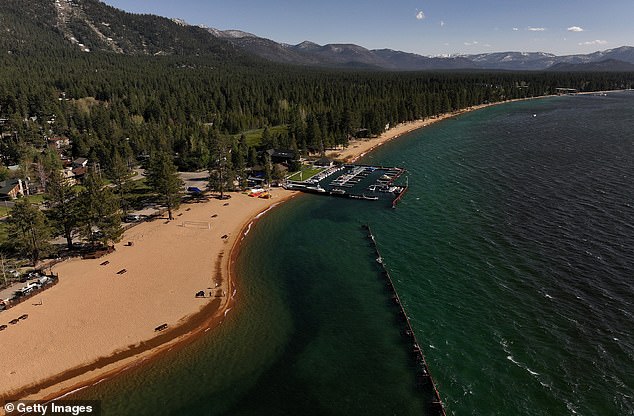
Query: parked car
pixel 132 218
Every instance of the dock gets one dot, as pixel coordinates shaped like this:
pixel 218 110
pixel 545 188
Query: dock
pixel 371 183
pixel 424 381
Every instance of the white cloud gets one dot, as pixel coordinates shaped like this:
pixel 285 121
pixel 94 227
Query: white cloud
pixel 536 29
pixel 515 29
pixel 442 23
pixel 593 42
pixel 475 42
pixel 420 15
pixel 575 29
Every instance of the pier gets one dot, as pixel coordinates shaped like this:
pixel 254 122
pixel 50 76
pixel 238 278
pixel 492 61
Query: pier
pixel 424 380
pixel 372 183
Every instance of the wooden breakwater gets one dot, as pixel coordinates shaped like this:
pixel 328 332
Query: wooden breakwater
pixel 424 380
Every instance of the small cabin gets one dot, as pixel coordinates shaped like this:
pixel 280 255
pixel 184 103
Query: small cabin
pixel 11 189
pixel 80 162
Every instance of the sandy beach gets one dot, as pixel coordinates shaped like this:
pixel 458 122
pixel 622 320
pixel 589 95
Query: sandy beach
pixel 360 147
pixel 96 322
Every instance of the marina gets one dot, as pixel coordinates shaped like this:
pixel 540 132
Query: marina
pixel 371 183
pixel 424 380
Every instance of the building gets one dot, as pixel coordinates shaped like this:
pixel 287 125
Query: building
pixel 11 188
pixel 80 162
pixel 281 155
pixel 58 142
pixel 324 162
pixel 69 176
pixel 79 173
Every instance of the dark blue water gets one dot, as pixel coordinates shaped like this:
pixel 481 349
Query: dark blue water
pixel 513 253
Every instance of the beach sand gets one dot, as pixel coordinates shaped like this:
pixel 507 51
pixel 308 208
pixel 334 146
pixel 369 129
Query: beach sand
pixel 93 316
pixel 95 323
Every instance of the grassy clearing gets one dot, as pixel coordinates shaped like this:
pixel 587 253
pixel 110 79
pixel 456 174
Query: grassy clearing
pixel 35 199
pixel 305 173
pixel 254 137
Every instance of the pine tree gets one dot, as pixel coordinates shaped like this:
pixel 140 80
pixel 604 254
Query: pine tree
pixel 268 168
pixel 99 212
pixel 118 171
pixel 221 174
pixel 295 164
pixel 28 229
pixel 63 207
pixel 163 178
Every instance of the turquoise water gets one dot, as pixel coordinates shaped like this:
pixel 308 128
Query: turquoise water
pixel 512 254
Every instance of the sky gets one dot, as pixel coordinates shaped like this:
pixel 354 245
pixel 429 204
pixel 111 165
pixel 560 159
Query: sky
pixel 433 27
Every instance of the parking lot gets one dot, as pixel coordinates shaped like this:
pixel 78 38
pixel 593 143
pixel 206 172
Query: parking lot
pixel 8 293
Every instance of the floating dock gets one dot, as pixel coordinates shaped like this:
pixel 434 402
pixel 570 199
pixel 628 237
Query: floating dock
pixel 372 183
pixel 424 380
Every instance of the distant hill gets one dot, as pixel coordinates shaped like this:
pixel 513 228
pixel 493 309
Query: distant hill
pixel 608 65
pixel 513 60
pixel 89 25
pixel 543 61
pixel 350 55
pixel 29 27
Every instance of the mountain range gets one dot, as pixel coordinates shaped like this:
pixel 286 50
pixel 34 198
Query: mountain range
pixel 350 55
pixel 29 26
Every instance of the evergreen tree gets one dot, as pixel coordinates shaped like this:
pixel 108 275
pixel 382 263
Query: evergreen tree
pixel 221 174
pixel 64 210
pixel 163 178
pixel 267 139
pixel 118 172
pixel 268 168
pixel 295 164
pixel 99 212
pixel 28 229
pixel 239 154
pixel 253 157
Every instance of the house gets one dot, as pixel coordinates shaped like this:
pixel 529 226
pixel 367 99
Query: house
pixel 11 188
pixel 80 162
pixel 79 173
pixel 281 156
pixel 69 176
pixel 58 142
pixel 362 134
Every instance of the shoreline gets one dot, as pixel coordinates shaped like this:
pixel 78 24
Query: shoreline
pixel 196 325
pixel 183 332
pixel 365 146
pixel 193 325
